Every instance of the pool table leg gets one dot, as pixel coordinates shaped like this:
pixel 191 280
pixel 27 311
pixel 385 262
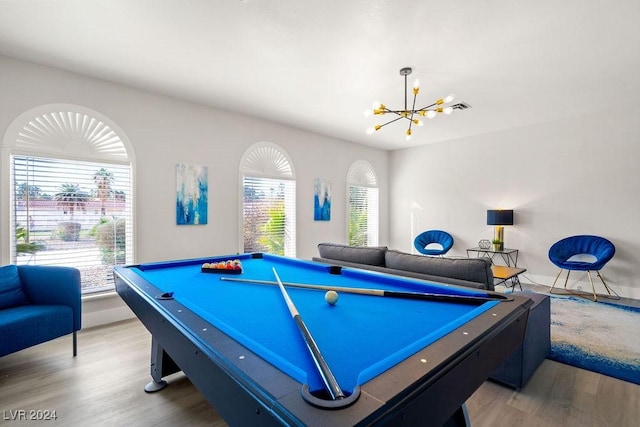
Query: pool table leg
pixel 460 418
pixel 161 366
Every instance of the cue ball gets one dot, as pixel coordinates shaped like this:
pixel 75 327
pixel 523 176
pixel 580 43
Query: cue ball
pixel 331 297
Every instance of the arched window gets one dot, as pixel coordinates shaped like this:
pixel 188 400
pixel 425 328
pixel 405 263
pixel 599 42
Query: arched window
pixel 268 186
pixel 362 206
pixel 69 174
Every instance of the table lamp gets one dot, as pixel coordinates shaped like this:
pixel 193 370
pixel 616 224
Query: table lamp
pixel 499 218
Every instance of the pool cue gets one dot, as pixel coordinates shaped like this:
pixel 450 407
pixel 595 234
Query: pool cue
pixel 330 382
pixel 380 292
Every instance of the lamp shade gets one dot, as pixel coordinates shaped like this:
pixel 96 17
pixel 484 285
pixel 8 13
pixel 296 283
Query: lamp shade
pixel 500 217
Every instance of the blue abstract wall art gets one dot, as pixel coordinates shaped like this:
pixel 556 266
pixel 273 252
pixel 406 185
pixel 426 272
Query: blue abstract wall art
pixel 192 194
pixel 322 200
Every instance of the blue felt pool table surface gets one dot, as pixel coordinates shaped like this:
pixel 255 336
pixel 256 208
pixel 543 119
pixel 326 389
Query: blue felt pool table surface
pixel 360 336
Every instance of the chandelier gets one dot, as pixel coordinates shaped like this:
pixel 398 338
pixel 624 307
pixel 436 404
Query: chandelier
pixel 413 115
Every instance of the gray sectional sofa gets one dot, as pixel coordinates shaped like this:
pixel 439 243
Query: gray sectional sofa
pixel 470 272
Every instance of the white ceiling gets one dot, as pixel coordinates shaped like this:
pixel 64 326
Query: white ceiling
pixel 318 64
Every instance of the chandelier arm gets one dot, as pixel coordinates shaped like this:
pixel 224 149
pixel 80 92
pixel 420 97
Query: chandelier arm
pixel 391 121
pixel 413 107
pixel 401 113
pixel 428 106
pixel 413 111
pixel 397 112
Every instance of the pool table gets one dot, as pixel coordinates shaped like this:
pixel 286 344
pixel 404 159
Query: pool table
pixel 399 361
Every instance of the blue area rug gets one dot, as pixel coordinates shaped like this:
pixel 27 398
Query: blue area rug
pixel 599 337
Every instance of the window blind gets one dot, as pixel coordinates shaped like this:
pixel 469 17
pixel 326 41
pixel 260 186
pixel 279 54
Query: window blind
pixel 363 216
pixel 72 213
pixel 269 215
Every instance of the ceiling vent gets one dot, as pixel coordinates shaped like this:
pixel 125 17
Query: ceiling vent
pixel 461 106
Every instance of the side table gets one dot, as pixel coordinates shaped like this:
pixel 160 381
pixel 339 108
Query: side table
pixel 509 256
pixel 502 274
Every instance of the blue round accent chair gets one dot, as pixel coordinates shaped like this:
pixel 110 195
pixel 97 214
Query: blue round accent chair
pixel 583 253
pixel 439 237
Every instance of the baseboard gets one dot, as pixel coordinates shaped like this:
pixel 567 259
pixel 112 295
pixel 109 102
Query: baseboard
pixel 104 310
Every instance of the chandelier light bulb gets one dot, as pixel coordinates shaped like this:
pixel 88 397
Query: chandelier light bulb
pixel 449 98
pixel 408 137
pixel 373 129
pixel 377 105
pixel 367 113
pixel 431 114
pixel 448 110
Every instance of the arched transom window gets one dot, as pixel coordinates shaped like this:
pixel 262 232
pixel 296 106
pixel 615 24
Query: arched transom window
pixel 268 186
pixel 70 194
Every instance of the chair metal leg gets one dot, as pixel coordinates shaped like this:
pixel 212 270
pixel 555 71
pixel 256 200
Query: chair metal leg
pixel 611 293
pixel 554 282
pixel 609 290
pixel 566 280
pixel 75 344
pixel 606 287
pixel 593 288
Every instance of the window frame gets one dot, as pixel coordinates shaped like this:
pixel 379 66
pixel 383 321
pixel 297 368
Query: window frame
pixel 361 175
pixel 268 161
pixel 64 132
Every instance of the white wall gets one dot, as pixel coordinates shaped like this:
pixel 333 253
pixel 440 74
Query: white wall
pixel 575 176
pixel 165 131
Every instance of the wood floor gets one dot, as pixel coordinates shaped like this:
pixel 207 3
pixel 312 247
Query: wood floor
pixel 103 386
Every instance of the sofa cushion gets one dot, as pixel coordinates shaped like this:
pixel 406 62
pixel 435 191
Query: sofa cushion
pixel 470 269
pixel 445 280
pixel 404 273
pixel 11 294
pixel 356 254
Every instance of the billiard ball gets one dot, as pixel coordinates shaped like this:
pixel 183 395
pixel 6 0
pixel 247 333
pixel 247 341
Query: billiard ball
pixel 331 297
